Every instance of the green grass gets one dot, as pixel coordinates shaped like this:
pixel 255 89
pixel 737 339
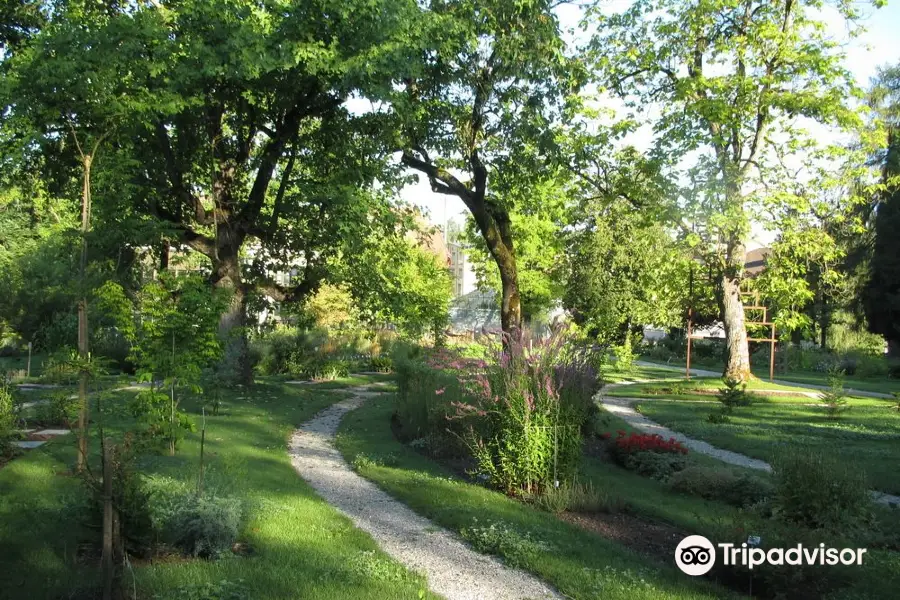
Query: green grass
pixel 882 385
pixel 19 363
pixel 867 437
pixel 301 547
pixel 578 563
pixel 637 373
pixel 691 391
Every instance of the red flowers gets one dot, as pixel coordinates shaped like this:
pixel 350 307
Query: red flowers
pixel 645 442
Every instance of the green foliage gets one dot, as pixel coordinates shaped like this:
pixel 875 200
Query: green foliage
pixel 219 590
pixel 395 280
pixel 659 466
pixel 721 483
pixel 578 497
pixel 8 416
pixel 623 271
pixel 205 525
pixel 625 355
pixel 817 491
pixel 526 415
pixel 516 548
pixel 382 363
pixel 59 368
pixel 882 290
pixel 172 326
pixel 835 397
pixel 734 395
pixel 61 409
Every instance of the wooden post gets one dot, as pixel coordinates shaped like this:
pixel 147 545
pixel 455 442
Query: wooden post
pixel 28 365
pixel 772 356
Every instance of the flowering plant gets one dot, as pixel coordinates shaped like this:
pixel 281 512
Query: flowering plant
pixel 625 444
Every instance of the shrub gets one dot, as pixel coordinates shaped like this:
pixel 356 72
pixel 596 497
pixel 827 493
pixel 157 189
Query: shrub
pixel 382 363
pixel 648 454
pixel 721 484
pixel 718 417
pixel 219 590
pixel 835 397
pixel 733 395
pixel 204 525
pixel 814 490
pixel 518 549
pixel 654 465
pixel 61 408
pixel 7 416
pixel 624 354
pixel 527 420
pixel 625 445
pixel 59 370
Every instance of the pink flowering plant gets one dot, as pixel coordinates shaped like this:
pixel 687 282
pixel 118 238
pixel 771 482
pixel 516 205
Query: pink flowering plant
pixel 519 415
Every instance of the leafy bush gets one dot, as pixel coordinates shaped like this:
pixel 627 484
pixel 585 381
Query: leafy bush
pixel 721 484
pixel 61 408
pixel 719 417
pixel 835 397
pixel 199 525
pixel 625 355
pixel 219 590
pixel 815 490
pixel 528 420
pixel 59 369
pixel 7 416
pixel 382 363
pixel 518 549
pixel 733 395
pixel 654 465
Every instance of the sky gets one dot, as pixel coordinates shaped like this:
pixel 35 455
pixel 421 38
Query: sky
pixel 879 45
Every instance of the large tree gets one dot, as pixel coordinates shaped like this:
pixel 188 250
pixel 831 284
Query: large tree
pixel 882 293
pixel 235 138
pixel 486 86
pixel 730 81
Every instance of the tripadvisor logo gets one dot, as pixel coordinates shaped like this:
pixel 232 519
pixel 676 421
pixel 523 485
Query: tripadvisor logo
pixel 696 555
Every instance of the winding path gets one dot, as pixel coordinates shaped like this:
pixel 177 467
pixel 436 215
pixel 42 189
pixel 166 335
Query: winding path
pixel 622 408
pixel 454 570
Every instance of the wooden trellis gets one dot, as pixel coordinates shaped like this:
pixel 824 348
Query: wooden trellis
pixel 756 306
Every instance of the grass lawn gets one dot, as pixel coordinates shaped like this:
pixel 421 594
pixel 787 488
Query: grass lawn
pixel 882 385
pixel 702 389
pixel 19 363
pixel 580 564
pixel 637 373
pixel 301 547
pixel 866 437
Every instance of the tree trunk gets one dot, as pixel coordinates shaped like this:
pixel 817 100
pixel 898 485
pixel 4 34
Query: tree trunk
pixel 737 351
pixel 106 557
pixel 83 343
pixel 235 364
pixel 510 303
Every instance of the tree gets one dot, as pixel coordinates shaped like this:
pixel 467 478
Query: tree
pixel 730 79
pixel 236 137
pixel 395 278
pixel 882 292
pixel 171 325
pixel 489 78
pixel 538 219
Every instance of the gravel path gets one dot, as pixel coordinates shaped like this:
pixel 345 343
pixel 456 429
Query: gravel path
pixel 622 407
pixel 454 570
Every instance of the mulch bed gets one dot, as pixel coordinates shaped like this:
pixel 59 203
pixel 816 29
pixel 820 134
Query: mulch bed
pixel 650 538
